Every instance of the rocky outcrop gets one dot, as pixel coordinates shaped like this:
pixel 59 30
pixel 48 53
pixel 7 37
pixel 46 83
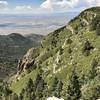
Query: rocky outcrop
pixel 12 48
pixel 25 63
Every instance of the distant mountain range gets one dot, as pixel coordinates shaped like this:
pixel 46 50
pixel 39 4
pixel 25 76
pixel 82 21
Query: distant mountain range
pixel 35 38
pixel 12 48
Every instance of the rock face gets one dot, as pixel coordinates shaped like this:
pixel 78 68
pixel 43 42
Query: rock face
pixel 25 63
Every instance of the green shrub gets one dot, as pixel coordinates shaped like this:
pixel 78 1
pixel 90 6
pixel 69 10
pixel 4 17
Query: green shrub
pixel 91 93
pixel 95 25
pixel 69 41
pixel 69 50
pixel 98 29
pixel 87 48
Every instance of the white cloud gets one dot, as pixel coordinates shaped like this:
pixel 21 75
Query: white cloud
pixel 23 8
pixel 65 5
pixel 59 4
pixel 3 4
pixel 18 9
pixel 98 2
pixel 47 4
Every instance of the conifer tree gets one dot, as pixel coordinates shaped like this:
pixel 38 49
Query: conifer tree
pixel 73 91
pixel 14 97
pixel 86 48
pixel 98 29
pixel 59 89
pixel 39 86
pixel 30 90
pixel 93 71
pixel 56 87
pixel 21 96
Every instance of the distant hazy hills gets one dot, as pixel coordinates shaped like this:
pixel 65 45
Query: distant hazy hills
pixel 35 38
pixel 12 48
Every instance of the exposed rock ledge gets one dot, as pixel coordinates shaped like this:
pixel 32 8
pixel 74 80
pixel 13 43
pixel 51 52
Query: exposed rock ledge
pixel 26 62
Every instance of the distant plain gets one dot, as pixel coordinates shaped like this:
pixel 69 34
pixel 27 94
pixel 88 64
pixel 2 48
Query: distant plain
pixel 27 24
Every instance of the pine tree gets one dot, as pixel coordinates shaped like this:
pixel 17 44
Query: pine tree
pixel 93 71
pixel 98 29
pixel 73 91
pixel 40 87
pixel 6 91
pixel 14 97
pixel 38 78
pixel 59 89
pixel 54 86
pixel 86 48
pixel 30 90
pixel 30 85
pixel 95 22
pixel 21 96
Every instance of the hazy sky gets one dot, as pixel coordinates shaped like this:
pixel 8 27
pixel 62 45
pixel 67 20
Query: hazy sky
pixel 39 16
pixel 38 24
pixel 45 6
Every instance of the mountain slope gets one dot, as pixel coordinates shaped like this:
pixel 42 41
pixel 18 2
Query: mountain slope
pixel 12 48
pixel 35 37
pixel 75 46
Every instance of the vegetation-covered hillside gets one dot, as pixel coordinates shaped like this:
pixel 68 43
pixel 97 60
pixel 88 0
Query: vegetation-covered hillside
pixel 12 48
pixel 67 65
